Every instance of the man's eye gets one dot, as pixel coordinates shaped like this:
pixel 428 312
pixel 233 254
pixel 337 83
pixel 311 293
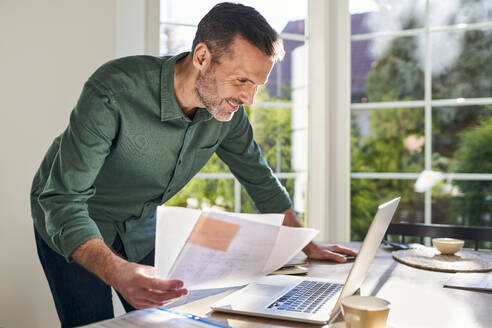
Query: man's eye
pixel 242 80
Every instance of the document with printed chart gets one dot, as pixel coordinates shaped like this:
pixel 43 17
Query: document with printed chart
pixel 213 249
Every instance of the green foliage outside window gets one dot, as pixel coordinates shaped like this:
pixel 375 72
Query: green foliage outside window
pixel 473 155
pixel 461 136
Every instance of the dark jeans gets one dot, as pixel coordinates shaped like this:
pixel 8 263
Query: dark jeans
pixel 80 297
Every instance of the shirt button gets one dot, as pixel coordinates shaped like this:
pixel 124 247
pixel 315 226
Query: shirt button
pixel 179 162
pixel 169 190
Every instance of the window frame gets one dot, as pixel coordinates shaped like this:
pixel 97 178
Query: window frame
pixel 328 39
pixel 427 103
pixel 137 28
pixel 328 207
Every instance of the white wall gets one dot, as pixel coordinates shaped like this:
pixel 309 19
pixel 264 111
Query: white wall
pixel 47 51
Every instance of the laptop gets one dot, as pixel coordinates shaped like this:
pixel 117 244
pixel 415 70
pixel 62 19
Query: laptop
pixel 306 299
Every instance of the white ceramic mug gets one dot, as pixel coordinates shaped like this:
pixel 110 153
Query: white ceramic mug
pixel 365 311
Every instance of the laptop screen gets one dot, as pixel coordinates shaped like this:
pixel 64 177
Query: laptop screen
pixel 369 249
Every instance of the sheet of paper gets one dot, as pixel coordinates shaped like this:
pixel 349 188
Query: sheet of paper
pixel 210 249
pixel 473 281
pixel 290 241
pixel 297 269
pixel 275 219
pixel 234 257
pixel 173 226
pixel 150 318
pixel 195 295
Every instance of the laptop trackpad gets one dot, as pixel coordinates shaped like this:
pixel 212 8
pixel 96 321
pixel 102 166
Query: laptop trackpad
pixel 263 289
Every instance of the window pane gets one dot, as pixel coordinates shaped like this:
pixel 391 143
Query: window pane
pixel 452 12
pixel 461 64
pixel 272 130
pixel 388 15
pixel 388 140
pixel 247 205
pixel 176 39
pixel 290 19
pixel 289 75
pixel 462 139
pixel 206 193
pixel 296 187
pixel 215 165
pixel 387 69
pixel 367 194
pixel 463 203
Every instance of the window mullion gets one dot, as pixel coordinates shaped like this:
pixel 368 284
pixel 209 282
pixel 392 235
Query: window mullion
pixel 428 111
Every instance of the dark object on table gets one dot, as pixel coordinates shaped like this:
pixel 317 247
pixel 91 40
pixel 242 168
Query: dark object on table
pixel 397 246
pixel 348 257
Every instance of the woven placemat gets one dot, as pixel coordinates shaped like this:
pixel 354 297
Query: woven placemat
pixel 429 258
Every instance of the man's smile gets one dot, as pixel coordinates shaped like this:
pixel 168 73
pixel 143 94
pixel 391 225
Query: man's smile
pixel 233 104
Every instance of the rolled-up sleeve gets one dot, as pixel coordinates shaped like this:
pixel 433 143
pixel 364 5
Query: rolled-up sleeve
pixel 243 156
pixel 82 150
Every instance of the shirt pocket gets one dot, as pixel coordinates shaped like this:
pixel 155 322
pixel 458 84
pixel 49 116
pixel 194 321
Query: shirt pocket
pixel 202 155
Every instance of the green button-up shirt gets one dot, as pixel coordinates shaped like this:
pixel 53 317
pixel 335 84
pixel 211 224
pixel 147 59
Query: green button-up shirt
pixel 129 148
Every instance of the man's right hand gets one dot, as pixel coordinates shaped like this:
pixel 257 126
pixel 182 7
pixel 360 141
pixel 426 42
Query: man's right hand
pixel 138 285
pixel 135 282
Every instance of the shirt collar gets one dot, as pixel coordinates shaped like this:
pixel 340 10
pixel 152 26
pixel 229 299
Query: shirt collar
pixel 170 109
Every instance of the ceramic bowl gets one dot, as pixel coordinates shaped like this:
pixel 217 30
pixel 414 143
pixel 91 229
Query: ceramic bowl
pixel 447 246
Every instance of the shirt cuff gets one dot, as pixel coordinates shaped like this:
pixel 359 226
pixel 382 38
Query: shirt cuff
pixel 279 203
pixel 73 235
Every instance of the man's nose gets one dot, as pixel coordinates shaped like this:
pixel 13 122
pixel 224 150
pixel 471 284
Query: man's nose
pixel 249 94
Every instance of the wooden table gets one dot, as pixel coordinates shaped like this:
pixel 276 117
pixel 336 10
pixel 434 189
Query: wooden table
pixel 417 296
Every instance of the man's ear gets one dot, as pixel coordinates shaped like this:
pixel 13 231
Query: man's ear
pixel 201 57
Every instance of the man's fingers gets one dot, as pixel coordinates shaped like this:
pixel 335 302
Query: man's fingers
pixel 160 284
pixel 335 256
pixel 162 297
pixel 343 250
pixel 149 299
pixel 159 296
pixel 144 304
pixel 141 289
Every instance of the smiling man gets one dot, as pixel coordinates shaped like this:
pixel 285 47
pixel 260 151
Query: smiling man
pixel 142 128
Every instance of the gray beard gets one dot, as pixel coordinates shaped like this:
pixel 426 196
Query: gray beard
pixel 201 82
pixel 200 96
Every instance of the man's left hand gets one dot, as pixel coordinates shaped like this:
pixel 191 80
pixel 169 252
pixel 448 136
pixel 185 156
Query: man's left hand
pixel 314 250
pixel 317 251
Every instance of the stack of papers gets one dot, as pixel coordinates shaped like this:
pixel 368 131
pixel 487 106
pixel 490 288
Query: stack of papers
pixel 471 281
pixel 213 249
pixel 156 318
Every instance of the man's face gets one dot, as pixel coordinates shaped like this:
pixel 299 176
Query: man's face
pixel 226 85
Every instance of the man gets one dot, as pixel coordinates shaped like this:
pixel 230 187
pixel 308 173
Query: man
pixel 143 126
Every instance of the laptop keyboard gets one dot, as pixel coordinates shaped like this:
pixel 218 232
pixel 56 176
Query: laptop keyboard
pixel 308 296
